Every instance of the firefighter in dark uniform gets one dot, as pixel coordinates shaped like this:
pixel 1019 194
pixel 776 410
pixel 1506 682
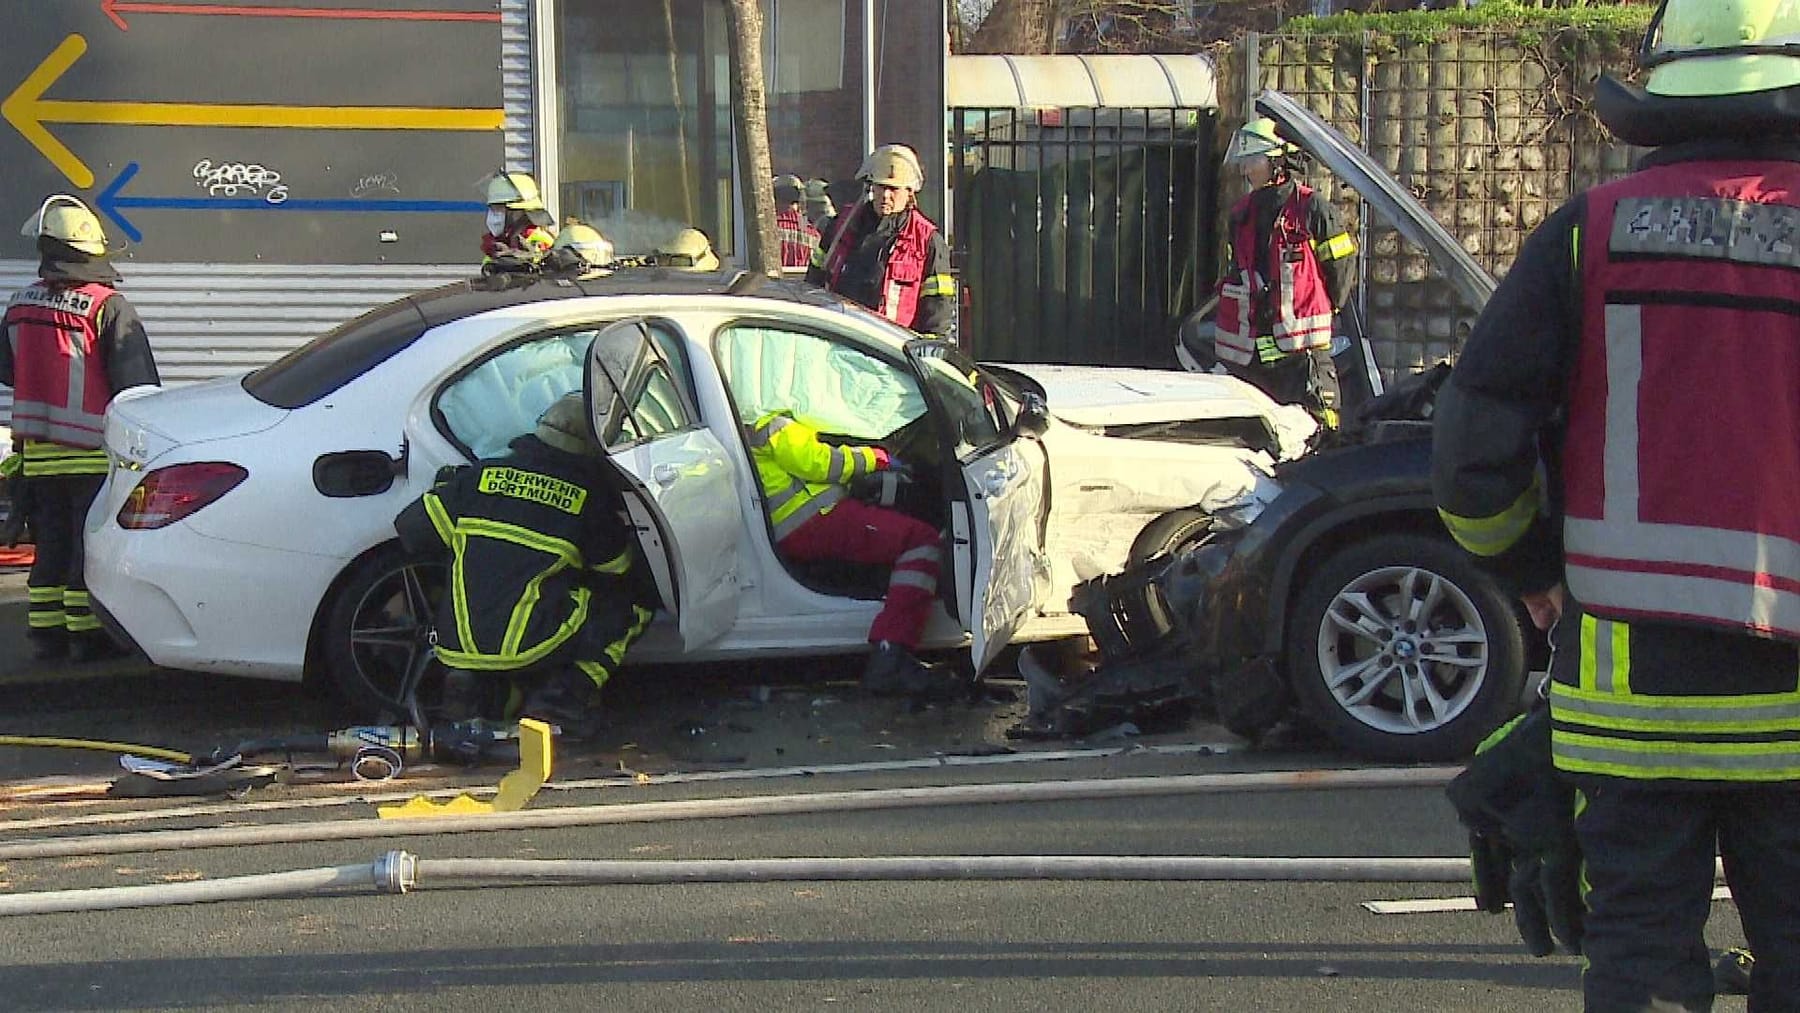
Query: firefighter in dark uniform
pixel 884 253
pixel 72 344
pixel 1620 441
pixel 542 588
pixel 1291 267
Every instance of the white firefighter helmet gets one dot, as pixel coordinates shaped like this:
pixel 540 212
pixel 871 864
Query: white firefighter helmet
pixel 586 242
pixel 1722 47
pixel 516 190
pixel 565 425
pixel 893 165
pixel 66 218
pixel 690 250
pixel 1258 137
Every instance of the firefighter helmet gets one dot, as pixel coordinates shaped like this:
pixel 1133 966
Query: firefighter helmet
pixel 1258 137
pixel 893 165
pixel 586 242
pixel 65 218
pixel 515 190
pixel 1722 47
pixel 690 250
pixel 789 189
pixel 565 425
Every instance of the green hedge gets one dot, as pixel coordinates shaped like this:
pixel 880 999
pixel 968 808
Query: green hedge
pixel 1625 22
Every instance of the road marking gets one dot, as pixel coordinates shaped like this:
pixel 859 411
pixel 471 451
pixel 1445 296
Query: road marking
pixel 1443 905
pixel 114 8
pixel 28 111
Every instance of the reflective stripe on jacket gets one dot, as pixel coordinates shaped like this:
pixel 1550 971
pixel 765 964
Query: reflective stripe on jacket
pixel 903 279
pixel 1276 295
pixel 801 476
pixel 1674 509
pixel 1624 704
pixel 60 386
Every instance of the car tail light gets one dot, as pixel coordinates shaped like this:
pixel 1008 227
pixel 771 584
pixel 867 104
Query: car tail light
pixel 166 495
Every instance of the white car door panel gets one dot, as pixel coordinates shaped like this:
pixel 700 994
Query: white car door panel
pixel 997 521
pixel 680 473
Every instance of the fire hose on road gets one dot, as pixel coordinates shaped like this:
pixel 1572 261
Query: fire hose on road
pixel 400 872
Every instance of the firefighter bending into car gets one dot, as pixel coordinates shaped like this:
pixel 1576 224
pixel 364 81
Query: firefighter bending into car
pixel 806 485
pixel 1620 441
pixel 72 344
pixel 518 225
pixel 1290 268
pixel 884 253
pixel 542 589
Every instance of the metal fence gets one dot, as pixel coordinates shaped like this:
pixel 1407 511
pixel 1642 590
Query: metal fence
pixel 1081 235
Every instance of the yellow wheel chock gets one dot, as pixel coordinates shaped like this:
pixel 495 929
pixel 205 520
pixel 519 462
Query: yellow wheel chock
pixel 515 790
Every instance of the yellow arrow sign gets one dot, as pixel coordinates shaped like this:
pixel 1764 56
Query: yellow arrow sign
pixel 28 111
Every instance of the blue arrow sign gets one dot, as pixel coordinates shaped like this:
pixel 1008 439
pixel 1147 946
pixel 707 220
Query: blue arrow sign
pixel 111 204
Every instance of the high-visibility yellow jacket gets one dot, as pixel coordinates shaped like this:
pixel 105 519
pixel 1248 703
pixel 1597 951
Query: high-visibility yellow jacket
pixel 802 476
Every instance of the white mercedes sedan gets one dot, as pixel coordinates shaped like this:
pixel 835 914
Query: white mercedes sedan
pixel 246 526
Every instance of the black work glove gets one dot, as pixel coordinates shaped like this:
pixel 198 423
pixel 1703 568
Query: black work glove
pixel 882 488
pixel 1522 846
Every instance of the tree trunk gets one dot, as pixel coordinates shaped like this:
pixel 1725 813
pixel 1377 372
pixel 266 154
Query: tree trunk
pixel 1016 26
pixel 750 122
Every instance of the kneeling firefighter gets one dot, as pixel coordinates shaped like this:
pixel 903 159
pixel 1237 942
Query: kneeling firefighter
pixel 1620 443
pixel 542 589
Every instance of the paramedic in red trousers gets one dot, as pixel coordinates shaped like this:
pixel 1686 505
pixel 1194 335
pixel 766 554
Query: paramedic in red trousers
pixel 72 344
pixel 1620 441
pixel 805 485
pixel 799 240
pixel 1291 266
pixel 885 254
pixel 518 225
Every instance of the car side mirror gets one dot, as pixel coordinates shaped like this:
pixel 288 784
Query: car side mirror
pixel 1034 416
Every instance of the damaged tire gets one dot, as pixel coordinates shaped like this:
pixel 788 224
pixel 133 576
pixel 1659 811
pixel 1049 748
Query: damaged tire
pixel 1400 649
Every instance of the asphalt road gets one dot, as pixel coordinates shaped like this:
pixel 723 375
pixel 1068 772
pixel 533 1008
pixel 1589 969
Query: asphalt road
pixel 934 945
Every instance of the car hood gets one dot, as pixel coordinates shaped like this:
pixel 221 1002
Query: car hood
pixel 144 423
pixel 1385 194
pixel 1107 398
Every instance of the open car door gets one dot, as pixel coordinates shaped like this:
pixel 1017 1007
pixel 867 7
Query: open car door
pixel 996 481
pixel 652 432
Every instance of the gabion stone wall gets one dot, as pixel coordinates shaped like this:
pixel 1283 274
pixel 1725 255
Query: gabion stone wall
pixel 1491 132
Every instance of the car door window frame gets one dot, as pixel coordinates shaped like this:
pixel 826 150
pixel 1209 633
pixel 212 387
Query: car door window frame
pixel 665 335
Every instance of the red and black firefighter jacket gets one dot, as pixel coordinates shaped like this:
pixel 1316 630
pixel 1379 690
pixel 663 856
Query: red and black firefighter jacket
pixel 72 343
pixel 536 548
pixel 897 265
pixel 1291 265
pixel 1623 419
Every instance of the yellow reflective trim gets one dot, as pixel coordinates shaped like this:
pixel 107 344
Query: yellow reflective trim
pixel 45 595
pixel 1664 725
pixel 564 550
pixel 1490 536
pixel 44 620
pixel 1621 655
pixel 79 599
pixel 465 632
pixel 13 464
pixel 1589 664
pixel 82 623
pixel 440 517
pixel 616 649
pixel 1336 248
pixel 619 564
pixel 596 672
pixel 1673 751
pixel 533 487
pixel 1666 700
pixel 938 285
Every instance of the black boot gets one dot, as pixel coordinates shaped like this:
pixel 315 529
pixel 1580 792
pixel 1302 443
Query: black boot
pixel 51 645
pixel 893 671
pixel 86 647
pixel 1731 975
pixel 567 701
pixel 461 697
